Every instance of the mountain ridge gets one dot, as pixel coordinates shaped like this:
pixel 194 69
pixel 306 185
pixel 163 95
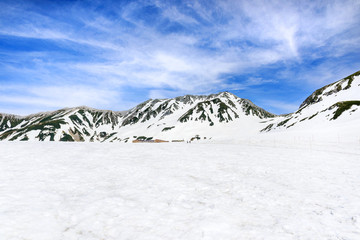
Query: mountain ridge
pixel 324 104
pixel 182 117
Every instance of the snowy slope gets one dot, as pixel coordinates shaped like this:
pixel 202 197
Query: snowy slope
pixel 189 117
pixel 334 106
pixel 8 121
pixel 169 119
pixel 330 111
pixel 90 191
pixel 69 124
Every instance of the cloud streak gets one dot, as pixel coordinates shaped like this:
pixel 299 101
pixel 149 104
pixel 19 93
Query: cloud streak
pixel 155 48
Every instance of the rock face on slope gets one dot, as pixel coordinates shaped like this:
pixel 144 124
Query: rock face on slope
pixel 222 107
pixel 69 124
pixel 338 100
pixel 86 124
pixel 8 121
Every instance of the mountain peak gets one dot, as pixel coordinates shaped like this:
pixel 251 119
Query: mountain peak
pixel 326 104
pixel 226 94
pixel 182 117
pixel 330 89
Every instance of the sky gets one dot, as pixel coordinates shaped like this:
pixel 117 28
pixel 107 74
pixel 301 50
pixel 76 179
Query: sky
pixel 117 54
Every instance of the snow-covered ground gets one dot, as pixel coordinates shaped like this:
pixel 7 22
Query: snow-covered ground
pixel 264 189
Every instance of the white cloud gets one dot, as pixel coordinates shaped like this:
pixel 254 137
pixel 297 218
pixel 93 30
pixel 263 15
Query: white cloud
pixel 229 38
pixel 58 96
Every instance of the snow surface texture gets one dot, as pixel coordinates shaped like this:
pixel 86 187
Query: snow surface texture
pixel 53 190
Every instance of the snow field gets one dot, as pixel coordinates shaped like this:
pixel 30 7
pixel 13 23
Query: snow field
pixel 52 190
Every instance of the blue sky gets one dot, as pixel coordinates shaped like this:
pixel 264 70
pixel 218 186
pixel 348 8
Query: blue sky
pixel 116 54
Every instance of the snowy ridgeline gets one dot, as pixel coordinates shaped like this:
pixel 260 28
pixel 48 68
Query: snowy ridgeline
pixel 331 113
pixel 51 191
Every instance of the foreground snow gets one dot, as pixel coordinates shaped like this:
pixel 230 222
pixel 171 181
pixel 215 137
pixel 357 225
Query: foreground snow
pixel 179 191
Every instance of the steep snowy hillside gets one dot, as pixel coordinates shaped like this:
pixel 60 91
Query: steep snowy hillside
pixel 333 105
pixel 69 124
pixel 180 118
pixel 191 117
pixel 222 107
pixel 8 121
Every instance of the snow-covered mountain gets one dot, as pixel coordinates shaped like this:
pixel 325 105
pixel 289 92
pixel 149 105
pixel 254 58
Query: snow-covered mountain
pixel 178 118
pixel 221 116
pixel 69 124
pixel 332 105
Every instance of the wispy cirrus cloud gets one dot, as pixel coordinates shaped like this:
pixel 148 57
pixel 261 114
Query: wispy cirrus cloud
pixel 56 97
pixel 141 49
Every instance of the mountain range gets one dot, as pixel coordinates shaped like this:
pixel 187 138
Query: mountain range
pixel 189 117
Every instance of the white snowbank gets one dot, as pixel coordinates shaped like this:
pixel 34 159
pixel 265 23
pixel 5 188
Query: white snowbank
pixel 178 191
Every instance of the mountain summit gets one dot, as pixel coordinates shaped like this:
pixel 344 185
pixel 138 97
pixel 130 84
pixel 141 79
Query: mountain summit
pixel 150 118
pixel 183 118
pixel 340 99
